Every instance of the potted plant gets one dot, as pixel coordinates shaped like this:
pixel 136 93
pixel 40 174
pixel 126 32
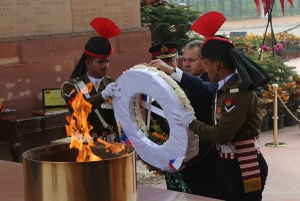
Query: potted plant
pixel 263 104
pixel 291 105
pixel 297 50
pixel 269 94
pixel 285 53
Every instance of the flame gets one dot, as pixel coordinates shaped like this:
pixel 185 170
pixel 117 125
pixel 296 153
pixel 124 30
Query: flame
pixel 113 148
pixel 79 129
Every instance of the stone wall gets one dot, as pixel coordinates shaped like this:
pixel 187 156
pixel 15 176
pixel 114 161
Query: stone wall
pixel 42 40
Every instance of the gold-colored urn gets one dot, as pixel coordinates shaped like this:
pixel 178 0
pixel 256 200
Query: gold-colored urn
pixel 52 173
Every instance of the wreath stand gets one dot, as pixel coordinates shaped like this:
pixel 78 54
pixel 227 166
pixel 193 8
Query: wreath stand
pixel 273 40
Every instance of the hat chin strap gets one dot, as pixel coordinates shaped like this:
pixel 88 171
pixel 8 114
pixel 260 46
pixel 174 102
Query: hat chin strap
pixel 219 39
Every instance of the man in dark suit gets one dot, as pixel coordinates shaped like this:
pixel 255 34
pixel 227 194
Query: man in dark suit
pixel 199 177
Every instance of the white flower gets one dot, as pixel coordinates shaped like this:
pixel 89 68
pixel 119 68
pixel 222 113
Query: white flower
pixel 180 93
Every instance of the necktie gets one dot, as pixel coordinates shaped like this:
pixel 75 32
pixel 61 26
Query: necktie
pixel 96 86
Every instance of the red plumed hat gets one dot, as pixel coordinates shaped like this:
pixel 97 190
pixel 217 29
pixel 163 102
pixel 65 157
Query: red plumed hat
pixel 207 25
pixel 100 46
pixel 97 46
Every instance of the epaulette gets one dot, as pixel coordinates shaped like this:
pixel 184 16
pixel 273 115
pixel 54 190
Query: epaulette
pixel 72 81
pixel 234 90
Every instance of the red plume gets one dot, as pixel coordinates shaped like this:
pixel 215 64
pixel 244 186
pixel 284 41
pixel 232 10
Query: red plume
pixel 209 23
pixel 257 5
pixel 105 27
pixel 291 2
pixel 269 3
pixel 282 6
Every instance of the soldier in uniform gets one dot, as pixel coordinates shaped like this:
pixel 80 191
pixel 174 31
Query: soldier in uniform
pixel 241 168
pixel 92 69
pixel 199 175
pixel 167 53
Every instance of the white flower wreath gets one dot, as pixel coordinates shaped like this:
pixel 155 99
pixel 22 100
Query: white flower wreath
pixel 180 93
pixel 182 143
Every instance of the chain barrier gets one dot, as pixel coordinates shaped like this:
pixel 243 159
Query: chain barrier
pixel 288 110
pixel 290 29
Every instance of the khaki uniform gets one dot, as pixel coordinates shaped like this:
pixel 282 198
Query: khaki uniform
pixel 237 117
pixel 97 102
pixel 237 114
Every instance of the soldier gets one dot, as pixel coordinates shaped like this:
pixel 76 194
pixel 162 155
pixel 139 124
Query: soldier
pixel 92 68
pixel 167 53
pixel 241 168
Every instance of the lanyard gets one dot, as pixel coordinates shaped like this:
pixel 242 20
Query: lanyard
pixel 216 108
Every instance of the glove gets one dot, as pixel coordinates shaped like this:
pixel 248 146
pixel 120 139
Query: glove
pixel 183 118
pixel 111 90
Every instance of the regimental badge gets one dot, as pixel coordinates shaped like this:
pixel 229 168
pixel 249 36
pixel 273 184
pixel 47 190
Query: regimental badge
pixel 218 113
pixel 164 49
pixel 229 104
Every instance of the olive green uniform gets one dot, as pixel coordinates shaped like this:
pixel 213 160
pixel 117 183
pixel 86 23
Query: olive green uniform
pixel 97 102
pixel 242 121
pixel 237 117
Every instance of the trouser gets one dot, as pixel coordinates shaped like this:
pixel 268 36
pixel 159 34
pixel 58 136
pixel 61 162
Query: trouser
pixel 199 178
pixel 230 182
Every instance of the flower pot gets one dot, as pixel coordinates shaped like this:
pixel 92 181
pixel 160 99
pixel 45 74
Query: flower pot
pixel 289 120
pixel 285 55
pixel 280 121
pixel 265 124
pixel 298 54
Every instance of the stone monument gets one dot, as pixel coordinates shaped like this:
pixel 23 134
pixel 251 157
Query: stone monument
pixel 42 40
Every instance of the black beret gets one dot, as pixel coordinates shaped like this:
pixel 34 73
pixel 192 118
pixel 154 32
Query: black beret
pixel 215 46
pixel 98 47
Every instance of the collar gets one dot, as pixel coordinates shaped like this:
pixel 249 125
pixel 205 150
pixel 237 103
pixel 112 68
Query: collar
pixel 222 82
pixel 94 80
pixel 229 83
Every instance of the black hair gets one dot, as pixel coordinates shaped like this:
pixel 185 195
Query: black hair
pixel 225 59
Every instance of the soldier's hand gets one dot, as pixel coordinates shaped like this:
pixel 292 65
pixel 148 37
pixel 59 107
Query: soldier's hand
pixel 111 90
pixel 160 65
pixel 183 118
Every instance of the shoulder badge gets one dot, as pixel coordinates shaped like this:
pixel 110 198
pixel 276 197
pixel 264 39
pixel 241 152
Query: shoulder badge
pixel 229 105
pixel 236 90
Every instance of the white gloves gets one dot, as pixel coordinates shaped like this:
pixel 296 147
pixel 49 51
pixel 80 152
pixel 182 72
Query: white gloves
pixel 111 90
pixel 183 118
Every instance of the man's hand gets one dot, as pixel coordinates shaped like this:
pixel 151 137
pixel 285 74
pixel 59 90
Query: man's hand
pixel 183 118
pixel 111 90
pixel 160 65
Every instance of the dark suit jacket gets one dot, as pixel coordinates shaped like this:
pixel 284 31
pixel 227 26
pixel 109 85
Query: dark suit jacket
pixel 200 92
